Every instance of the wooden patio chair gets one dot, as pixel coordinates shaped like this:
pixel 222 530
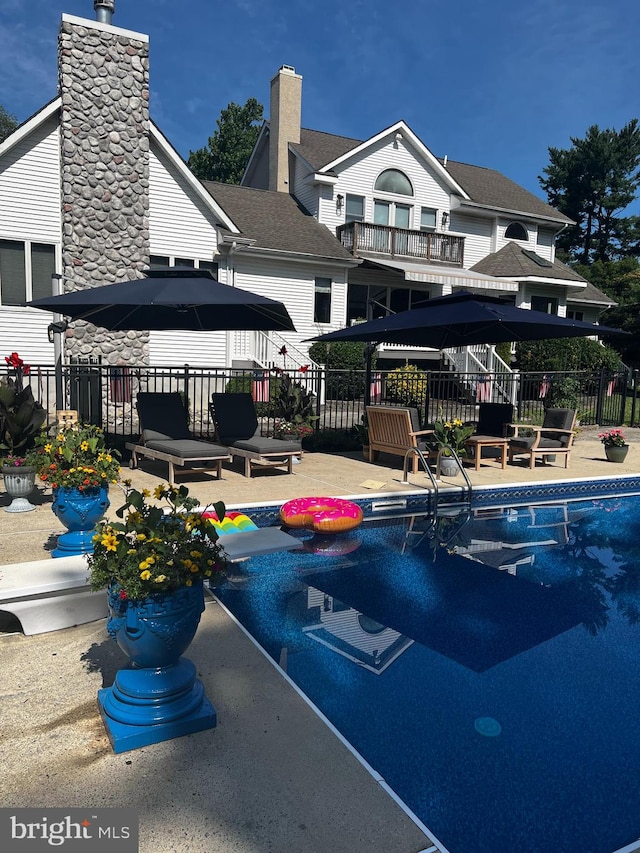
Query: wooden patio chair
pixel 553 438
pixel 394 430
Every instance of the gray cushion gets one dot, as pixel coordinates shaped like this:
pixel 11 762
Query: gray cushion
pixel 164 412
pixel 258 444
pixel 525 443
pixel 188 448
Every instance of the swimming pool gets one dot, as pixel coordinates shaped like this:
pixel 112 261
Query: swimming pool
pixel 485 663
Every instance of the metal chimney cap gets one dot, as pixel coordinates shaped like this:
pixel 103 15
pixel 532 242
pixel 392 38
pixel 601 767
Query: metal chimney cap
pixel 104 10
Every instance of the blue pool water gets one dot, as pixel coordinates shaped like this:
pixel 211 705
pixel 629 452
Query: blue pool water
pixel 485 663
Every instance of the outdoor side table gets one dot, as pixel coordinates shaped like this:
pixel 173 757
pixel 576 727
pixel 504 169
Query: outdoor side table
pixel 480 441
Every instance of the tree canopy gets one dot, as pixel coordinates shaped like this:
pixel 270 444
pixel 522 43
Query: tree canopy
pixel 8 123
pixel 592 183
pixel 227 153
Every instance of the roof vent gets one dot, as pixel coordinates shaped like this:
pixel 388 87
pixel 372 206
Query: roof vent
pixel 288 68
pixel 104 10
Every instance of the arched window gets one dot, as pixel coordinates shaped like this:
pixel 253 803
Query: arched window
pixel 394 181
pixel 516 231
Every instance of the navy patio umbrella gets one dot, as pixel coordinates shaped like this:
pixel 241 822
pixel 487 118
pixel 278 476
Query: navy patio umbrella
pixel 173 298
pixel 462 319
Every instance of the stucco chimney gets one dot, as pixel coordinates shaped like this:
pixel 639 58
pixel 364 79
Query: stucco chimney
pixel 284 124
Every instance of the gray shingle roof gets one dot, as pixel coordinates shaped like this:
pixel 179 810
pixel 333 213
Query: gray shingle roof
pixel 276 221
pixel 512 261
pixel 484 186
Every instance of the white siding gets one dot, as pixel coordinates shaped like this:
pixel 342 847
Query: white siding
pixel 24 330
pixel 477 233
pixel 30 187
pixel 305 191
pixel 205 349
pixel 179 222
pixel 359 174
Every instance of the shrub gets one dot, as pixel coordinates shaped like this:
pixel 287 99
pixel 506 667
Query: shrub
pixel 407 386
pixel 345 362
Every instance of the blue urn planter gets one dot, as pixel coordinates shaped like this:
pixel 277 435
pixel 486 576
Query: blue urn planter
pixel 79 511
pixel 157 697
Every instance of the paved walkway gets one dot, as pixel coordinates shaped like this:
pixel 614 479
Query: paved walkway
pixel 271 777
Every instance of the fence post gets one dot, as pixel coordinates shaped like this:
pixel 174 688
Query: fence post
pixel 634 398
pixel 600 400
pixel 625 393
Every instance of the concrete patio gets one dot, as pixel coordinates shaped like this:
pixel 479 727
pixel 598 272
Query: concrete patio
pixel 272 776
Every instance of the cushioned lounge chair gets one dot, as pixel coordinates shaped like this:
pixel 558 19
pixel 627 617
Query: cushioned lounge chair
pixel 553 438
pixel 165 435
pixel 234 416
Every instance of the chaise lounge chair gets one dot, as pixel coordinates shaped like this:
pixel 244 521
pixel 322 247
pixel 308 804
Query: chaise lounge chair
pixel 165 435
pixel 237 428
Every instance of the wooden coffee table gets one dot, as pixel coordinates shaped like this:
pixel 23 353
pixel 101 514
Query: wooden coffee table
pixel 480 441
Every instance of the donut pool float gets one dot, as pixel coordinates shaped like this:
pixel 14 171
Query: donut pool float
pixel 233 522
pixel 324 515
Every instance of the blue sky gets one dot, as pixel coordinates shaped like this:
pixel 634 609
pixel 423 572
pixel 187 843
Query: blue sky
pixel 493 84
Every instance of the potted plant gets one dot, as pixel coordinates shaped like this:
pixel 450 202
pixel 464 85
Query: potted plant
pixel 79 467
pixel 21 418
pixel 449 435
pixel 153 563
pixel 615 444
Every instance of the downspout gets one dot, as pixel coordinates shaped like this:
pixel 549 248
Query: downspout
pixel 231 281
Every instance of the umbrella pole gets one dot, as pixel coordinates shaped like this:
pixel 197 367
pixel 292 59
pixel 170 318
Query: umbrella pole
pixel 368 357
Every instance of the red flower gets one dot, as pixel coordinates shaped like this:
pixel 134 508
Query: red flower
pixel 123 594
pixel 14 360
pixel 304 368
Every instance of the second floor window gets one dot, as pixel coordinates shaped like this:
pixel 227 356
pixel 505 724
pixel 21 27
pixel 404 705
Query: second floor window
pixel 354 211
pixel 516 231
pixel 428 218
pixel 322 301
pixel 389 213
pixel 547 304
pixel 393 181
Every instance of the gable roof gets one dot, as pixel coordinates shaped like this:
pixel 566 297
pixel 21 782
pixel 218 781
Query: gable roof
pixel 276 221
pixel 485 187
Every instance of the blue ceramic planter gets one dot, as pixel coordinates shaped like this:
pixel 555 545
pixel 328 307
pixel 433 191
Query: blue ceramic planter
pixel 157 697
pixel 79 512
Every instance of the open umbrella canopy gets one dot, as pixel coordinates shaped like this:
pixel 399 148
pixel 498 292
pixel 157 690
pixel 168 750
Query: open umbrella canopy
pixel 462 319
pixel 172 298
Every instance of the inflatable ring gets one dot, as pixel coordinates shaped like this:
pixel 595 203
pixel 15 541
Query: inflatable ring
pixel 324 515
pixel 233 522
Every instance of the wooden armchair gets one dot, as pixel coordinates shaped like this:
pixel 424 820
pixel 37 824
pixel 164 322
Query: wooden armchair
pixel 394 430
pixel 554 437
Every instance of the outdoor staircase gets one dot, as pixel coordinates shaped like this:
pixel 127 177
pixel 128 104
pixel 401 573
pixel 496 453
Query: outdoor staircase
pixel 480 369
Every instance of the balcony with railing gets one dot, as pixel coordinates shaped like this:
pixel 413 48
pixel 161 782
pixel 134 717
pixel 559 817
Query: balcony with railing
pixel 446 249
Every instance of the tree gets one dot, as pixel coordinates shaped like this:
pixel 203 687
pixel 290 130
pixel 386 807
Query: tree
pixel 8 123
pixel 227 153
pixel 592 183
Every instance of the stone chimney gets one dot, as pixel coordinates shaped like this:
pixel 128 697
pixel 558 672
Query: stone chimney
pixel 104 126
pixel 284 124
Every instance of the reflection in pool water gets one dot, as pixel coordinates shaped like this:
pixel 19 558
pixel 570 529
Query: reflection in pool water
pixel 484 662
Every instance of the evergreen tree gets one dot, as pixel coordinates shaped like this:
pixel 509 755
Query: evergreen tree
pixel 227 153
pixel 593 182
pixel 8 123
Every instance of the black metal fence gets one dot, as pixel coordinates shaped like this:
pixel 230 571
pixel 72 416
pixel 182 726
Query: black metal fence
pixel 105 395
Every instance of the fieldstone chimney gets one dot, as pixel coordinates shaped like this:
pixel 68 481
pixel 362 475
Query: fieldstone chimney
pixel 104 127
pixel 284 124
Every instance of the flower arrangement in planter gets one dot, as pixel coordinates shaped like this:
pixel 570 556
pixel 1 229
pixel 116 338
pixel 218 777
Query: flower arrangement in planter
pixel 153 563
pixel 450 435
pixel 613 438
pixel 615 444
pixel 21 415
pixel 76 457
pixel 156 547
pixel 288 429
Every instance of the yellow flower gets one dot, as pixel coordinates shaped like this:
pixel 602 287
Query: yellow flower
pixel 191 522
pixel 194 569
pixel 158 492
pixel 160 579
pixel 48 448
pixel 195 554
pixel 145 575
pixel 84 445
pixel 188 582
pixel 146 493
pixel 143 565
pixel 141 537
pixel 207 574
pixel 447 425
pixel 132 551
pixel 109 540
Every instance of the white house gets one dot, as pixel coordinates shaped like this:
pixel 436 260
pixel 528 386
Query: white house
pixel 338 229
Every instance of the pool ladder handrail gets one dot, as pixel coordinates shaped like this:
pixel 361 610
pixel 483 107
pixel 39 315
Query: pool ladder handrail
pixel 416 451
